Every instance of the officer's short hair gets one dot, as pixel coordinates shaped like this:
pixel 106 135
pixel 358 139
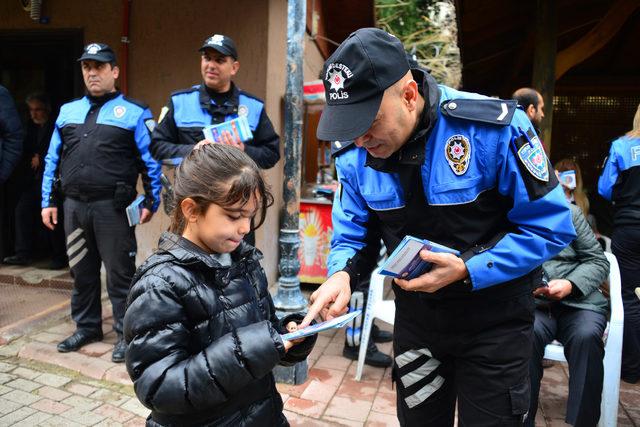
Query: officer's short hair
pixel 526 96
pixel 39 97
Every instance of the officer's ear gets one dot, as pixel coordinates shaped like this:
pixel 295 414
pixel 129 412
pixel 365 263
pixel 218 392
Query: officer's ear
pixel 410 94
pixel 234 67
pixel 531 111
pixel 116 71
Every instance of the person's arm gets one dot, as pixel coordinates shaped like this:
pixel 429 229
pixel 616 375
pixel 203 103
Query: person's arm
pixel 540 213
pixel 150 168
pixel 264 149
pixel 11 135
pixel 164 139
pixel 167 375
pixel 50 169
pixel 609 175
pixel 591 267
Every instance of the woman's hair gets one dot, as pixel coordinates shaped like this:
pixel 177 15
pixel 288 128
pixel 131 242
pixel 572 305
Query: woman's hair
pixel 220 174
pixel 579 195
pixel 635 131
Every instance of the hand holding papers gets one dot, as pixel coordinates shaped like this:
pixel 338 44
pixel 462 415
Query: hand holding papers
pixel 238 129
pixel 405 262
pixel 134 210
pixel 337 322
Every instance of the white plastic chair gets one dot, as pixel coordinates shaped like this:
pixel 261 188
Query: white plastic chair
pixel 384 310
pixel 612 349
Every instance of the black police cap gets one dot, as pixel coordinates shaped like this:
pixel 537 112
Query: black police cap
pixel 355 78
pixel 98 52
pixel 222 44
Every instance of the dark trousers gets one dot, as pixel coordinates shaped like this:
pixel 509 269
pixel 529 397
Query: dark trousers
pixel 98 232
pixel 625 245
pixel 580 332
pixel 476 350
pixel 29 224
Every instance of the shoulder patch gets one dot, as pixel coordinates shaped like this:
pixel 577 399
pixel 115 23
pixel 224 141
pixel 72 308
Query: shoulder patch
pixel 492 111
pixel 535 169
pixel 136 102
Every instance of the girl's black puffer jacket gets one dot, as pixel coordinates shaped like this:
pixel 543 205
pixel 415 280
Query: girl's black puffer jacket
pixel 202 338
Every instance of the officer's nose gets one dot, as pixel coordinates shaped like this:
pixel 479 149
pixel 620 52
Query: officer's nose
pixel 361 140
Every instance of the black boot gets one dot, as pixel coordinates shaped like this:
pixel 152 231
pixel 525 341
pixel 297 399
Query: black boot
pixel 119 350
pixel 379 336
pixel 80 338
pixel 374 356
pixel 17 260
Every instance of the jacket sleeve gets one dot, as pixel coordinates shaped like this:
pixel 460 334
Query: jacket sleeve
pixel 150 168
pixel 164 140
pixel 540 213
pixel 610 174
pixel 355 243
pixel 50 168
pixel 167 376
pixel 591 267
pixel 11 135
pixel 264 149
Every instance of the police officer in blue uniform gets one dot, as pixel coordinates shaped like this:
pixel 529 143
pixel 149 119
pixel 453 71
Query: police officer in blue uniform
pixel 99 146
pixel 620 183
pixel 216 100
pixel 459 169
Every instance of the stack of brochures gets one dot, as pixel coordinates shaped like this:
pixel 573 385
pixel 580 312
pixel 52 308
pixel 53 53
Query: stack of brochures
pixel 134 210
pixel 238 128
pixel 337 322
pixel 405 262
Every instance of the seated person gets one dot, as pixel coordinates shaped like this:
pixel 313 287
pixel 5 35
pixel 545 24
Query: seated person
pixel 572 310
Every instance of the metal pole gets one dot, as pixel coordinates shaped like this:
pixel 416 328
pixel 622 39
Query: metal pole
pixel 289 298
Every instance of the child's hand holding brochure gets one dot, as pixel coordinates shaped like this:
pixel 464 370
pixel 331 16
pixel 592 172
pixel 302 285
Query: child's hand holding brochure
pixel 405 262
pixel 337 322
pixel 238 128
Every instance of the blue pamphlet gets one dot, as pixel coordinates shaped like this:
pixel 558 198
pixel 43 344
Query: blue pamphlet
pixel 337 322
pixel 405 261
pixel 238 128
pixel 134 210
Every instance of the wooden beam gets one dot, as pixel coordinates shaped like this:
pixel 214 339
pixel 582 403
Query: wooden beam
pixel 544 59
pixel 597 38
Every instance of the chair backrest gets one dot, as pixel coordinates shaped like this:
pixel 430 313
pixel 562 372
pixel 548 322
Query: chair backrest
pixel 615 289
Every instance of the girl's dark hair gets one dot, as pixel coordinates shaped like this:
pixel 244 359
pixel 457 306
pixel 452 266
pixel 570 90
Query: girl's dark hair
pixel 220 174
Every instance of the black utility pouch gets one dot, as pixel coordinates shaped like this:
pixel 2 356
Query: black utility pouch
pixel 123 195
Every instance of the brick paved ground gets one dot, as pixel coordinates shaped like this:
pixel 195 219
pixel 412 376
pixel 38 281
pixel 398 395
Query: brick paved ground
pixel 39 386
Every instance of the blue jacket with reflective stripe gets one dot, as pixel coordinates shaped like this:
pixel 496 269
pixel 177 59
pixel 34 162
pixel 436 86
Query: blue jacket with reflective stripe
pixel 504 214
pixel 181 121
pixel 620 180
pixel 98 142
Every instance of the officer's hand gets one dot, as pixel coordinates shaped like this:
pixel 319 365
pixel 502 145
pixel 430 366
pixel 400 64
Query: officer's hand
pixel 233 140
pixel 145 216
pixel 35 162
pixel 446 269
pixel 203 142
pixel 558 289
pixel 330 300
pixel 50 217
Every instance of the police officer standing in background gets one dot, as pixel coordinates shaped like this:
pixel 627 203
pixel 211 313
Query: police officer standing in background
pixel 620 184
pixel 459 169
pixel 99 146
pixel 216 100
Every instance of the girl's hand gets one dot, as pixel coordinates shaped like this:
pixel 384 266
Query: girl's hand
pixel 291 327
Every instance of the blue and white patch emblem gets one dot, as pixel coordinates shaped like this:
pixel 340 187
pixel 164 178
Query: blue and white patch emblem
pixel 243 110
pixel 457 150
pixel 534 159
pixel 118 111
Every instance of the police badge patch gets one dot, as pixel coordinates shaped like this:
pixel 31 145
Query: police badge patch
pixel 532 156
pixel 457 150
pixel 243 110
pixel 118 111
pixel 150 124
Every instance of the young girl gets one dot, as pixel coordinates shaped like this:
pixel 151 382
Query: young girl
pixel 200 324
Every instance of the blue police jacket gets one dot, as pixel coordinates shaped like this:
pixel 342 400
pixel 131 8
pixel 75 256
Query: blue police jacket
pixel 473 177
pixel 181 122
pixel 98 143
pixel 620 180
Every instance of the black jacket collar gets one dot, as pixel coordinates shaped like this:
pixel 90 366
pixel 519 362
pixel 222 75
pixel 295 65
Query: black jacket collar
pixel 205 98
pixel 101 100
pixel 188 252
pixel 412 152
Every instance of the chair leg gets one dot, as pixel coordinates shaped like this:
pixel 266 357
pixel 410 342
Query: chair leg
pixel 611 383
pixel 364 337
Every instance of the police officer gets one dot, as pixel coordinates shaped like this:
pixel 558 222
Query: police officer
pixel 620 183
pixel 99 146
pixel 459 169
pixel 216 100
